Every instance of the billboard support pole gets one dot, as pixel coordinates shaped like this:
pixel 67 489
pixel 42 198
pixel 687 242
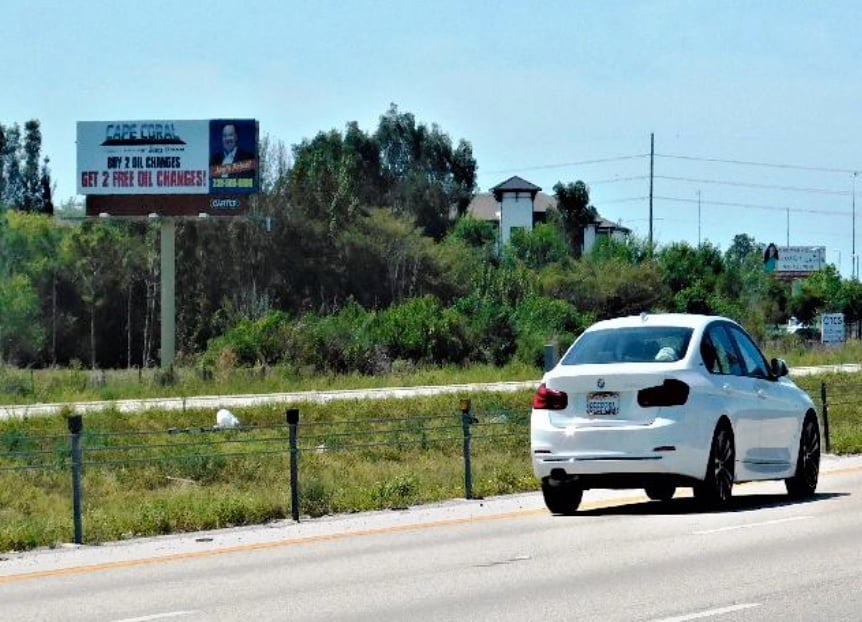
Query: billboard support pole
pixel 168 301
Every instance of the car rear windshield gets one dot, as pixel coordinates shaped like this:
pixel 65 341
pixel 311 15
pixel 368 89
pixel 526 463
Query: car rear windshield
pixel 639 344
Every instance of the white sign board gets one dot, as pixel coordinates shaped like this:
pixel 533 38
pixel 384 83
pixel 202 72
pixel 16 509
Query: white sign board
pixel 800 259
pixel 213 156
pixel 143 157
pixel 832 328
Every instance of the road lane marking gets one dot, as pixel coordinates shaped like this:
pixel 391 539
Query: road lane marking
pixel 710 613
pixel 159 616
pixel 261 546
pixel 765 523
pixel 243 548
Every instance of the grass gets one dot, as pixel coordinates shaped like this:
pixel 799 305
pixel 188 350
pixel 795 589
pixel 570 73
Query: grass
pixel 22 386
pixel 140 479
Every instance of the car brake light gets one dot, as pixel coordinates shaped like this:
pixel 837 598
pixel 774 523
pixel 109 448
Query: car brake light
pixel 549 399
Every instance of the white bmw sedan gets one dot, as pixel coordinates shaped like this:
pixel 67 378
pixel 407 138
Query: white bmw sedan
pixel 665 401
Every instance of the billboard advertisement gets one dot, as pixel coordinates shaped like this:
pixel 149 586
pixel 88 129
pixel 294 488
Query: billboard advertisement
pixel 179 157
pixel 233 156
pixel 794 261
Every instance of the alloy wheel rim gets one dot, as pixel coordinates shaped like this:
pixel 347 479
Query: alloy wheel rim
pixel 810 455
pixel 723 465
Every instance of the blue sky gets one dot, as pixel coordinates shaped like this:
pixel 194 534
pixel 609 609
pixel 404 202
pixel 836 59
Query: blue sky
pixel 551 91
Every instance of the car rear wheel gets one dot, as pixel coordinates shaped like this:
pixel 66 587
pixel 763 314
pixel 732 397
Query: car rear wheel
pixel 562 497
pixel 660 492
pixel 715 490
pixel 804 482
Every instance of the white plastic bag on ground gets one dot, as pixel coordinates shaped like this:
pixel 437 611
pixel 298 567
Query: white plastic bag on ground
pixel 226 419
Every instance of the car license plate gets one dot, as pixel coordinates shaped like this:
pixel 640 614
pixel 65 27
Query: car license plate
pixel 603 403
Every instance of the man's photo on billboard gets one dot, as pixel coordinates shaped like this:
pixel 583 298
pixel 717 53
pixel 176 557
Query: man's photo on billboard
pixel 233 146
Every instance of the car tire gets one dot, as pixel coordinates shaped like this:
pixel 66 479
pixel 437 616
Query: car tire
pixel 562 497
pixel 660 492
pixel 717 487
pixel 804 482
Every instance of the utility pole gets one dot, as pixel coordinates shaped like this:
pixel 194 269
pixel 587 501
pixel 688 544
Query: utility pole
pixel 853 271
pixel 651 168
pixel 788 226
pixel 698 218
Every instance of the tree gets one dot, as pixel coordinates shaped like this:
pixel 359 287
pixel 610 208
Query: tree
pixel 24 184
pixel 543 245
pixel 476 233
pixel 332 178
pixel 30 247
pixel 425 177
pixel 607 289
pixel 742 247
pixel 93 251
pixel 821 292
pixel 46 189
pixel 13 187
pixel 20 335
pixel 573 204
pixel 2 165
pixel 31 176
pixel 850 303
pixel 630 250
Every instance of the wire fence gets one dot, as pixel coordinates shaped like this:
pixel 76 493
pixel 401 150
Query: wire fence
pixel 204 455
pixel 393 453
pixel 841 412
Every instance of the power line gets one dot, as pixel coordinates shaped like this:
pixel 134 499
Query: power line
pixel 821 169
pixel 565 164
pixel 798 167
pixel 626 200
pixel 773 208
pixel 753 185
pixel 616 180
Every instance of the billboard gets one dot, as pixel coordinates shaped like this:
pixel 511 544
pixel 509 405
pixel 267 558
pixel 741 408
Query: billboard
pixel 794 261
pixel 180 157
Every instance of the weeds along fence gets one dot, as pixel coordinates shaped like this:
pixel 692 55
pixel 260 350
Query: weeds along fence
pixel 121 484
pixel 842 416
pixel 30 386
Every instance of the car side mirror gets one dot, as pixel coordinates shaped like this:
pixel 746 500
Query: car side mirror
pixel 779 368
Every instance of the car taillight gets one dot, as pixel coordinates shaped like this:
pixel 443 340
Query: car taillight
pixel 549 399
pixel 671 392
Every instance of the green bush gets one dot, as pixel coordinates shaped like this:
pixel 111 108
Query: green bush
pixel 252 341
pixel 539 320
pixel 343 343
pixel 488 330
pixel 421 330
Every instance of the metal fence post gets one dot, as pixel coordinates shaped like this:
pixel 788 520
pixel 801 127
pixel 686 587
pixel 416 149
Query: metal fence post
pixel 825 410
pixel 76 424
pixel 466 421
pixel 292 415
pixel 552 355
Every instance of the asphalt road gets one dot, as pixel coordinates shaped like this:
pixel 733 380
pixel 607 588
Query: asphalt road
pixel 620 558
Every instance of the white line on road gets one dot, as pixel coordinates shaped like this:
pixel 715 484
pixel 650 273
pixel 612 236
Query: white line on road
pixel 159 616
pixel 752 525
pixel 710 613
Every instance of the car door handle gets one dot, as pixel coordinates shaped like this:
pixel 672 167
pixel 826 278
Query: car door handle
pixel 725 387
pixel 761 394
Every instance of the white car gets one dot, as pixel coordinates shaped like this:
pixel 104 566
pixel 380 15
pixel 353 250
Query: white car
pixel 661 401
